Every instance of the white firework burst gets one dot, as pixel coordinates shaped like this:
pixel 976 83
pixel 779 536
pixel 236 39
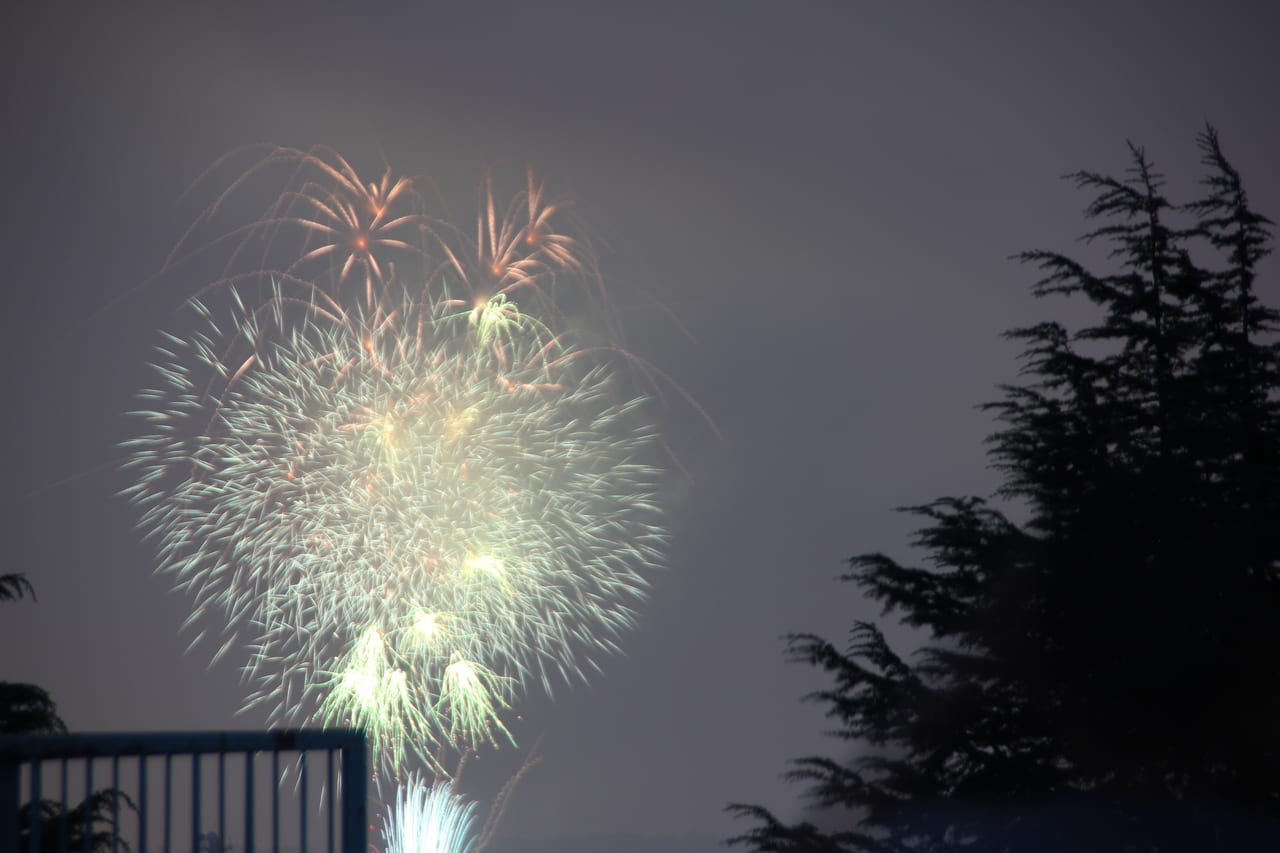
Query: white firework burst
pixel 413 514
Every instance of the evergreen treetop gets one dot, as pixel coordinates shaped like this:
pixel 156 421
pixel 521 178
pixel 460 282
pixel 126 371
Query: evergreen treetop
pixel 1104 675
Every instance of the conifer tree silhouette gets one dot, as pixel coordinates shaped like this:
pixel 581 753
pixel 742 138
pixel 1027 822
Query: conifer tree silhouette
pixel 1104 676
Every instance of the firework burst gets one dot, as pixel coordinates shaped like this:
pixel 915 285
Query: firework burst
pixel 430 819
pixel 516 252
pixel 413 514
pixel 327 224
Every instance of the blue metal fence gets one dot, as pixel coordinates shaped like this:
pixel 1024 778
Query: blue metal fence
pixel 249 791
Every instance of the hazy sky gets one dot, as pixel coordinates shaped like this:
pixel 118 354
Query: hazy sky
pixel 823 195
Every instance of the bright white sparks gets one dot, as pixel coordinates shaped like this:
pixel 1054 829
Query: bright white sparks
pixel 430 820
pixel 413 514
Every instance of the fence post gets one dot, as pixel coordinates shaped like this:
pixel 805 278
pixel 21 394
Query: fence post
pixel 354 794
pixel 17 752
pixel 9 805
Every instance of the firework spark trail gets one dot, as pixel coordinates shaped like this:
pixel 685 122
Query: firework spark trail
pixel 432 819
pixel 413 514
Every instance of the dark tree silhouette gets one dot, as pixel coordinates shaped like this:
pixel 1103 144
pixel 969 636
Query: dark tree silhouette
pixel 1106 675
pixel 13 587
pixel 26 709
pixel 65 831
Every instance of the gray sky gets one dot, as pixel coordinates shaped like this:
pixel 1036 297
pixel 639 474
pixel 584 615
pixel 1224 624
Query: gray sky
pixel 824 194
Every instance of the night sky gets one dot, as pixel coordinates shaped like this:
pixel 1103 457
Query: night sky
pixel 804 212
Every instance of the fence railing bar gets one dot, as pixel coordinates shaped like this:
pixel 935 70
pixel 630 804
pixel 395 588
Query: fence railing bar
pixel 275 801
pixel 222 798
pixel 195 802
pixel 108 744
pixel 353 781
pixel 115 804
pixel 33 835
pixel 302 798
pixel 142 804
pixel 86 838
pixel 10 801
pixel 63 817
pixel 168 799
pixel 329 789
pixel 248 802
